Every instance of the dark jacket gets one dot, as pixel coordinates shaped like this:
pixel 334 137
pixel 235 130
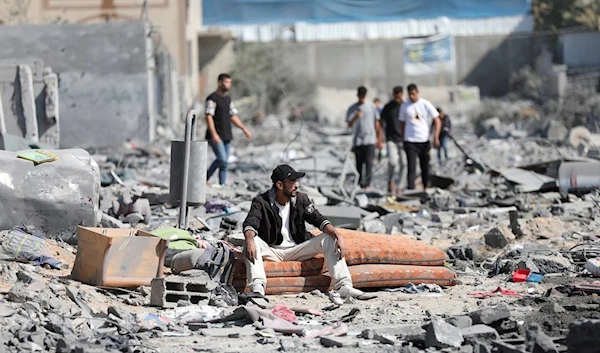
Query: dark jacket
pixel 265 221
pixel 390 116
pixel 446 126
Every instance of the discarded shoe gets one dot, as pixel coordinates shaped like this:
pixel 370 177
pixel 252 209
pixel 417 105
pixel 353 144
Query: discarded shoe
pixel 335 298
pixel 347 291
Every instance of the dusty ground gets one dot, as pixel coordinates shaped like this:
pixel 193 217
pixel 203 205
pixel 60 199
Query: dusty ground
pixel 388 309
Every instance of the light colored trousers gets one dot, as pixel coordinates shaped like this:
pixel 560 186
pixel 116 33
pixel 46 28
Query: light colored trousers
pixel 396 160
pixel 322 244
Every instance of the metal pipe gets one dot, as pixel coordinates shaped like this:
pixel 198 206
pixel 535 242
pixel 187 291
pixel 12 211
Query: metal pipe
pixel 578 176
pixel 190 126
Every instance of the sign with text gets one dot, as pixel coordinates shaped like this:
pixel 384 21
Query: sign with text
pixel 431 55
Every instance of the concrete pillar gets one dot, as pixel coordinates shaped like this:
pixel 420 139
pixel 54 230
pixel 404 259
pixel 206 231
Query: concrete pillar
pixel 28 102
pixel 176 112
pixel 151 68
pixel 51 133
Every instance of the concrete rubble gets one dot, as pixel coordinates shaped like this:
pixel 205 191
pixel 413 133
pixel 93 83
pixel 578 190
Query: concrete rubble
pixel 495 208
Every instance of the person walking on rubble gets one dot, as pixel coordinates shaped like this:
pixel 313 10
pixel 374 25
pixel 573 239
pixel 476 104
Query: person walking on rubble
pixel 363 118
pixel 444 136
pixel 220 114
pixel 394 138
pixel 416 118
pixel 274 230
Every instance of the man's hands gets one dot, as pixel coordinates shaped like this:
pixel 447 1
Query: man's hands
pixel 216 139
pixel 340 247
pixel 380 145
pixel 247 133
pixel 358 113
pixel 250 249
pixel 436 142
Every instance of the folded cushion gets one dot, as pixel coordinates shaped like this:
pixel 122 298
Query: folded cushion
pixel 363 276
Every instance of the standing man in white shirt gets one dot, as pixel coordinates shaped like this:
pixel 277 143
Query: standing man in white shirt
pixel 416 118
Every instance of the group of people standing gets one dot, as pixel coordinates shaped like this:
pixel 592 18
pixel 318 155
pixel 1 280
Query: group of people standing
pixel 409 128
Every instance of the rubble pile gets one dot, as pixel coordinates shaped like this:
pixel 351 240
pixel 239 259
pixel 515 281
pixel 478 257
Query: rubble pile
pixel 522 245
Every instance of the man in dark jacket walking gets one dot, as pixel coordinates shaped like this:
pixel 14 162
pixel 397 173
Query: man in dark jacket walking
pixel 394 137
pixel 275 231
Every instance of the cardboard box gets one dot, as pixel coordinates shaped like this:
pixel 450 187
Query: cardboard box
pixel 118 257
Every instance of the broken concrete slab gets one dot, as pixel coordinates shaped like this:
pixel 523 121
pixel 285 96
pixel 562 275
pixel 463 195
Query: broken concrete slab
pixel 479 333
pixel 53 197
pixel 528 181
pixel 342 216
pixel 490 314
pixel 329 341
pixel 441 334
pixel 552 308
pixel 537 341
pixel 461 322
pixel 290 344
pixel 551 264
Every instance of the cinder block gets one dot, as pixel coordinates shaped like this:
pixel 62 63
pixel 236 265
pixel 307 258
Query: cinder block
pixel 166 292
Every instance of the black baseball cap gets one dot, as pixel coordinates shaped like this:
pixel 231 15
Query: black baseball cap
pixel 283 172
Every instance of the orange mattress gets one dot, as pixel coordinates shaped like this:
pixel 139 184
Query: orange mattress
pixel 363 276
pixel 361 248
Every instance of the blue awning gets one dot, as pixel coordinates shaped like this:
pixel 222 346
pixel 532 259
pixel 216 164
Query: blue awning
pixel 231 12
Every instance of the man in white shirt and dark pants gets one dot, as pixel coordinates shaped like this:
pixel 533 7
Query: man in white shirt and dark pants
pixel 416 118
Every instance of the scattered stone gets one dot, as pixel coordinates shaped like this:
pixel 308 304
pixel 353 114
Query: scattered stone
pixel 385 339
pixel 329 341
pixel 31 307
pixel 461 322
pixel 5 310
pixel 537 341
pixel 290 344
pixel 490 314
pixel 367 334
pixel 441 334
pixel 121 314
pixel 479 333
pixel 466 349
pixel 498 237
pixel 22 292
pixel 24 276
pixel 551 264
pixel 552 308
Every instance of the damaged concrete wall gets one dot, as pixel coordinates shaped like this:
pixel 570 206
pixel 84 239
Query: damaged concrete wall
pixel 483 61
pixel 104 72
pixel 28 100
pixel 580 50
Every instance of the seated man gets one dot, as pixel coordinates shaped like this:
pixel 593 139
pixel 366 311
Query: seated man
pixel 275 231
